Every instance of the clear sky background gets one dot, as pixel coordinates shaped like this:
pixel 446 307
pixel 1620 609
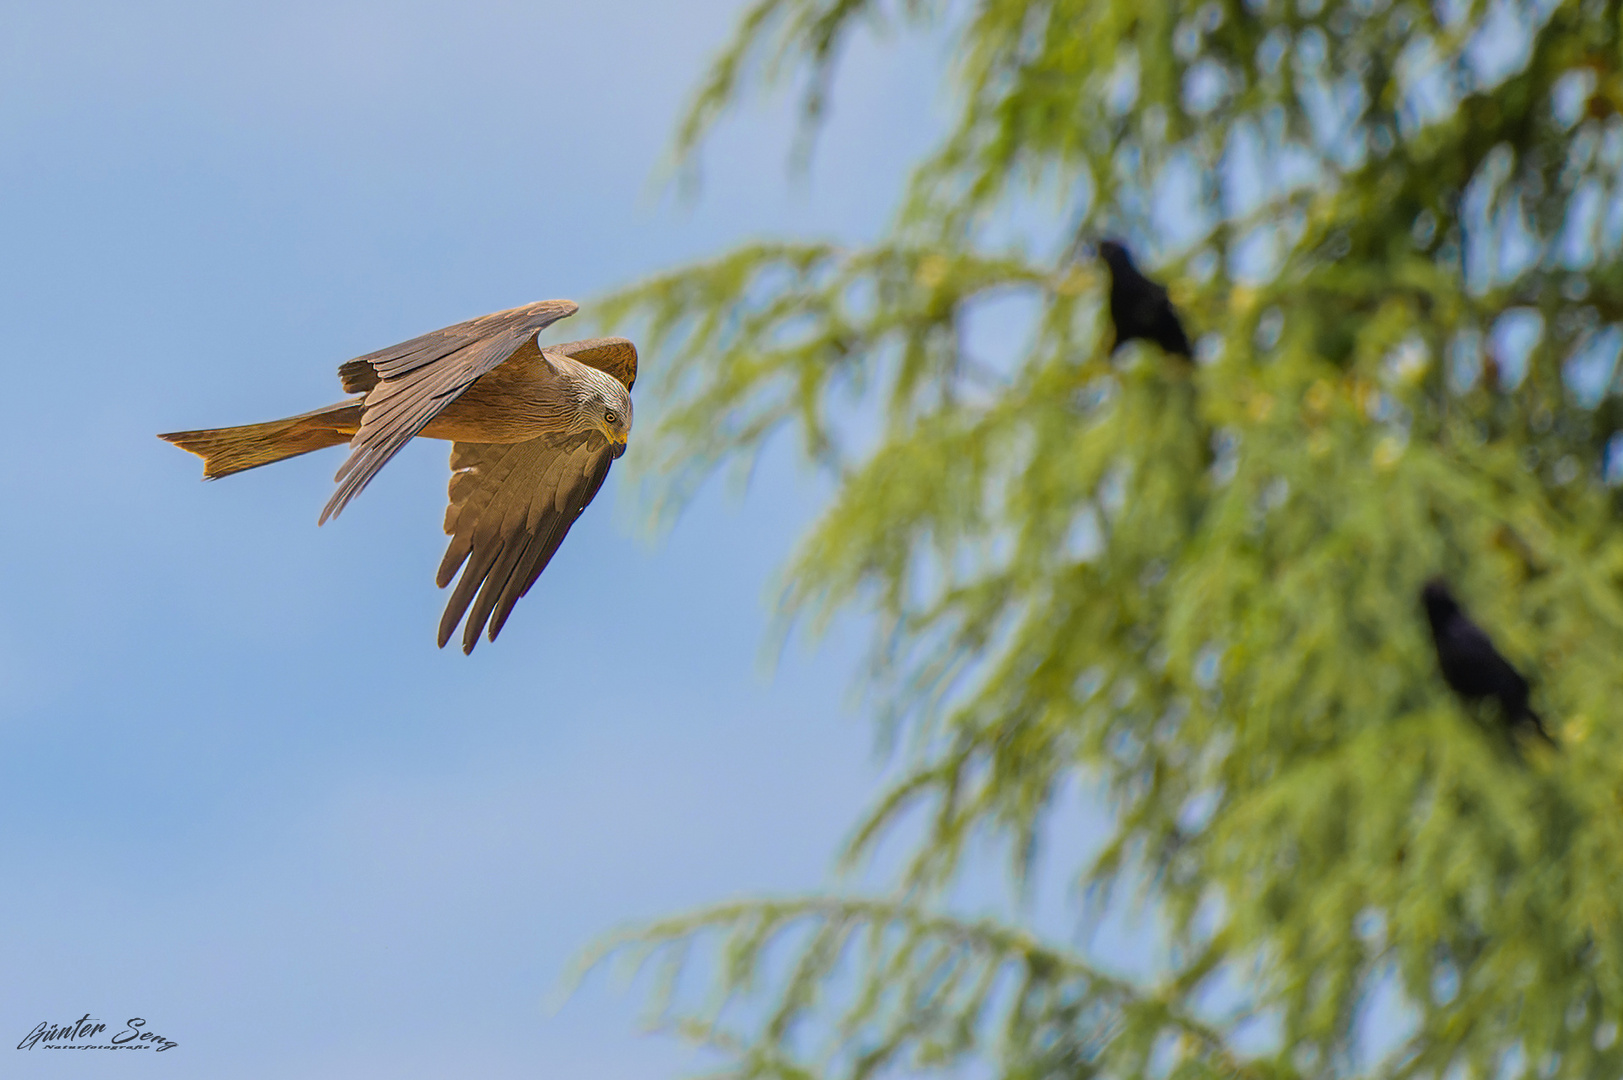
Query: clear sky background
pixel 242 795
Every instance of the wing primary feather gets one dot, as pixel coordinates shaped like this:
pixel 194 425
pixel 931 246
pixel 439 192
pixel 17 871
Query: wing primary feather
pixel 495 583
pixel 482 485
pixel 514 538
pixel 472 576
pixel 365 463
pixel 542 548
pixel 537 554
pixel 498 528
pixel 510 510
pixel 519 533
pixel 537 524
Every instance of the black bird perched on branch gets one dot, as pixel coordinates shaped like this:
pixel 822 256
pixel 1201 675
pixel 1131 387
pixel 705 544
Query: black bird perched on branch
pixel 1139 307
pixel 1471 665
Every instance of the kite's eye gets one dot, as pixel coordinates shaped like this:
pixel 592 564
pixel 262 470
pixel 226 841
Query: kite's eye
pixel 611 416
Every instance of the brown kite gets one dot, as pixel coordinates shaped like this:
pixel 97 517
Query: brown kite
pixel 533 432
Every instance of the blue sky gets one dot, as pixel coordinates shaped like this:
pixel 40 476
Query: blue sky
pixel 241 793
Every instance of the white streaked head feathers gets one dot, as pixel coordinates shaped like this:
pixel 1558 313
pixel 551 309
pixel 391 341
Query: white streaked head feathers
pixel 601 402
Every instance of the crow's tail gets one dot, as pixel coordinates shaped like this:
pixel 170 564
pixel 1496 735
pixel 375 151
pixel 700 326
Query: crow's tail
pixel 229 450
pixel 1528 717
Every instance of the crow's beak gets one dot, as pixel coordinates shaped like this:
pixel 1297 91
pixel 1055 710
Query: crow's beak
pixel 1084 247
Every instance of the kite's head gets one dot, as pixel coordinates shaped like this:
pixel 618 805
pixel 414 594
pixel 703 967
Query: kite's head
pixel 608 408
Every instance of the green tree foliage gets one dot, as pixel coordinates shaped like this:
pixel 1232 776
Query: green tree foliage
pixel 1395 231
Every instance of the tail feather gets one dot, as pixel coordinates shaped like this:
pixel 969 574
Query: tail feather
pixel 1528 716
pixel 231 450
pixel 1519 716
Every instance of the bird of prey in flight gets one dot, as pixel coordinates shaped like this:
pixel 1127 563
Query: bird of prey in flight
pixel 1139 308
pixel 533 432
pixel 1471 665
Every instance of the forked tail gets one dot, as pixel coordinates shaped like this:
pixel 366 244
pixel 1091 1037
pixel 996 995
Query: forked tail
pixel 232 449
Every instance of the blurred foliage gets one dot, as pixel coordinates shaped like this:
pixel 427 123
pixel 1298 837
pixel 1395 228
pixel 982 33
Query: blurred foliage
pixel 1395 231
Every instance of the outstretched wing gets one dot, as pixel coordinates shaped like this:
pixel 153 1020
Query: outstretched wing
pixel 416 379
pixel 511 506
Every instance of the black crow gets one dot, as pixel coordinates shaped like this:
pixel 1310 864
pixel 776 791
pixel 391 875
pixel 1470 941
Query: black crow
pixel 1470 663
pixel 1139 307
